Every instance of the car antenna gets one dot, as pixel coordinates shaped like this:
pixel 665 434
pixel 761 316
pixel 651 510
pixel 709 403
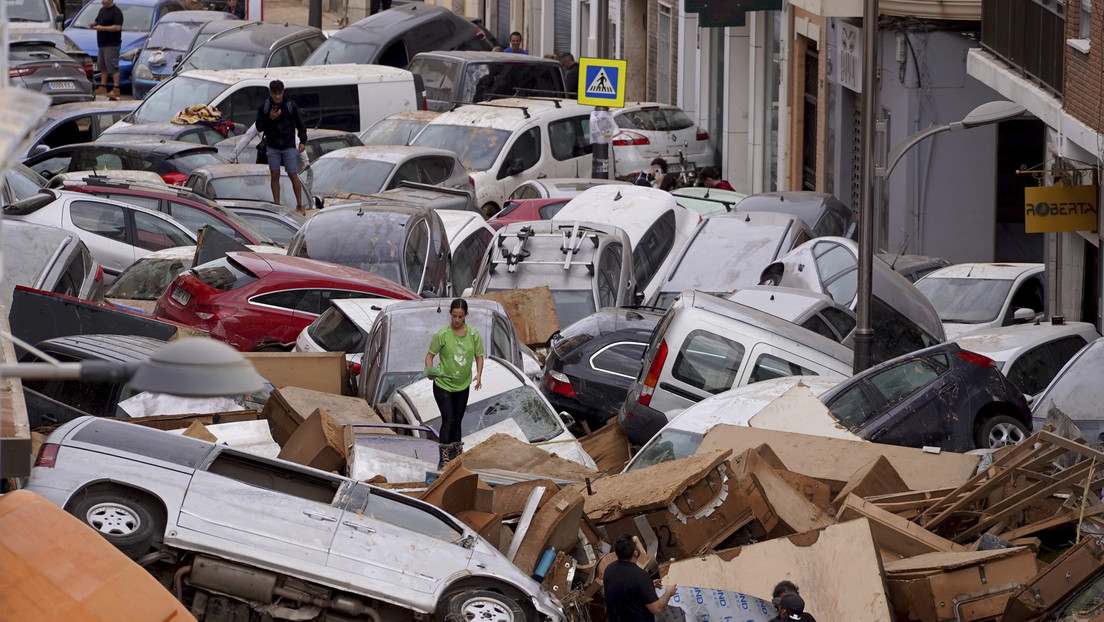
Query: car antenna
pixel 893 264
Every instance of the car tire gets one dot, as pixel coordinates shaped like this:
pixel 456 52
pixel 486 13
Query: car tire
pixel 1000 431
pixel 484 606
pixel 490 209
pixel 121 519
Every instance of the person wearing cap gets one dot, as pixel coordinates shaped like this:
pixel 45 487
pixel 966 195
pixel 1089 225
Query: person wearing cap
pixel 630 590
pixel 792 607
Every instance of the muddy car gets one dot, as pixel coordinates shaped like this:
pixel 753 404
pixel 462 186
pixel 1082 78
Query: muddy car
pixel 248 536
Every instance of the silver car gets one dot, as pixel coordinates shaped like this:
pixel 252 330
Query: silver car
pixel 276 536
pixel 344 174
pixel 41 67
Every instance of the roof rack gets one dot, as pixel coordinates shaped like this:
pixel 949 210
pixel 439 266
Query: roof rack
pixel 571 236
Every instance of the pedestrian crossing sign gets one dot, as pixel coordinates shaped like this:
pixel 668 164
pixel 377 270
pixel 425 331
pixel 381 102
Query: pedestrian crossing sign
pixel 602 82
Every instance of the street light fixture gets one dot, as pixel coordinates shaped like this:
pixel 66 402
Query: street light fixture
pixel 985 114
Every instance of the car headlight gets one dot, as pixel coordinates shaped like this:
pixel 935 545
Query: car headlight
pixel 142 72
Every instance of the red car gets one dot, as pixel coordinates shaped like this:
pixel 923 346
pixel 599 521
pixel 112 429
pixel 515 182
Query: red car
pixel 519 210
pixel 258 302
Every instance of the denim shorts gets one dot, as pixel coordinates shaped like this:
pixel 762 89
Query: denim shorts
pixel 288 157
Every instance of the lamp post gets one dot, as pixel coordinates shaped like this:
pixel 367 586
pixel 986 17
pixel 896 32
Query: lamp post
pixel 985 114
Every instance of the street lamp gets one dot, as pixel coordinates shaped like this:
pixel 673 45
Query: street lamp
pixel 985 114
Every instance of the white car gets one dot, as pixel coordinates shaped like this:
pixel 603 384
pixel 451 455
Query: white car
pixel 559 187
pixel 508 403
pixel 116 233
pixel 508 141
pixel 343 175
pixel 811 310
pixel 469 235
pixel 971 297
pixel 249 537
pixel 1077 393
pixel 649 130
pixel 657 226
pixel 1031 355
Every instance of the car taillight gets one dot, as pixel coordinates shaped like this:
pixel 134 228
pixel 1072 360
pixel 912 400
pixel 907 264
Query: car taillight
pixel 175 179
pixel 471 181
pixel 354 369
pixel 625 139
pixel 89 69
pixel 977 359
pixel 47 455
pixel 21 71
pixel 99 274
pixel 559 383
pixel 702 134
pixel 652 378
pixel 480 35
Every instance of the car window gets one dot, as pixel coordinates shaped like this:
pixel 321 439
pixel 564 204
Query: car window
pixel 621 359
pixel 652 250
pixel 102 219
pixel 768 367
pixel 281 58
pixel 1034 369
pixel 500 341
pixel 709 362
pixel 609 275
pixel 852 408
pixel 831 224
pixel 395 55
pixel 395 510
pixel 467 257
pixel 525 191
pixel 22 182
pixel 336 333
pixel 280 231
pixel 335 107
pixel 52 165
pixel 190 137
pixel 654 119
pixel 548 212
pixel 417 249
pixel 276 477
pixel 438 77
pixel 191 160
pixel 817 324
pixel 293 299
pixel 569 138
pixel 843 322
pixel 427 170
pixel 300 50
pixel 153 233
pixel 832 260
pixel 1029 295
pixel 152 203
pixel 526 152
pixel 241 106
pixel 96 160
pixel 194 219
pixel 900 381
pixel 78 130
pixel 209 136
pixel 75 272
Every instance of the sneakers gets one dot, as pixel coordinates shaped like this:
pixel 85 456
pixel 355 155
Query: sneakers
pixel 113 92
pixel 101 90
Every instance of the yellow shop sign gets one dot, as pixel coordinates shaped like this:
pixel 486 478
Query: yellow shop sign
pixel 1060 208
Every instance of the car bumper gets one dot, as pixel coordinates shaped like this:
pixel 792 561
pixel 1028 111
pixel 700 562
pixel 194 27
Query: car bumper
pixel 640 423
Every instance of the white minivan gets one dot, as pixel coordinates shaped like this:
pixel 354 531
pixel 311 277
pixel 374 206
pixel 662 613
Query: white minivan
pixel 339 97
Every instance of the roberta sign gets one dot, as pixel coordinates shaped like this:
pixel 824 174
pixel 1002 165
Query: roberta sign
pixel 1060 208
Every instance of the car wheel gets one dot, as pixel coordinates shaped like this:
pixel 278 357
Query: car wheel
pixel 122 520
pixel 490 209
pixel 484 606
pixel 1000 431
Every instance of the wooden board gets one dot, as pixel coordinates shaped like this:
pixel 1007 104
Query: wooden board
pixel 878 477
pixel 608 447
pixel 835 461
pixel 787 505
pixel 532 312
pixel 649 488
pixel 506 453
pixel 893 533
pixel 555 526
pixel 837 570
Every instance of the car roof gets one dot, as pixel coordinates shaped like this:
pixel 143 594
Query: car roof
pixel 398 15
pixel 607 320
pixel 292 75
pixel 64 111
pixel 634 208
pixel 146 147
pixel 259 35
pixel 138 188
pixel 460 223
pixel 738 405
pixel 157 127
pixel 508 113
pixel 197 16
pixel 231 170
pixel 999 271
pixel 1001 343
pixel 788 303
pixel 485 56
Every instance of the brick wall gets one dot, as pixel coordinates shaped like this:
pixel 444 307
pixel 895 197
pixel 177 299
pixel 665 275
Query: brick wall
pixel 1082 92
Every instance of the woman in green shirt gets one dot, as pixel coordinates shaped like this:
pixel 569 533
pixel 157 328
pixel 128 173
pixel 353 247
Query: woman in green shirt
pixel 458 344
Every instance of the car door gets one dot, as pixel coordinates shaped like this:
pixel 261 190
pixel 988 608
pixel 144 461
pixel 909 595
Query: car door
pixel 919 403
pixel 50 165
pixel 520 162
pixel 393 546
pixel 103 228
pixel 569 147
pixel 241 504
pixel 153 232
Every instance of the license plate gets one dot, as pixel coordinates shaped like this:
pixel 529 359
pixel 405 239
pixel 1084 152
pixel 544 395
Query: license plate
pixel 181 296
pixel 63 85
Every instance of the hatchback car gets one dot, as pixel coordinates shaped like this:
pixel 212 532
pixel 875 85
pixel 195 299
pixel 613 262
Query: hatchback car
pixel 43 68
pixel 507 403
pixel 975 296
pixel 197 133
pixel 453 78
pixel 251 182
pixel 263 302
pixel 173 161
pixel 67 124
pixel 254 45
pixel 170 40
pixel 142 488
pixel 508 141
pixel 586 265
pixel 139 18
pixel 394 36
pixel 48 258
pixel 58 39
pixel 405 244
pixel 399 128
pixel 346 174
pixel 522 210
pixel 116 233
pixel 824 213
pixel 319 143
pixel 646 131
pixel 811 310
pixel 1076 393
pixel 728 251
pixel 591 363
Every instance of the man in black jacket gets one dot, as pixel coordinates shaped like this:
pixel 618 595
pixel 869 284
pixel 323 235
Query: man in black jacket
pixel 278 120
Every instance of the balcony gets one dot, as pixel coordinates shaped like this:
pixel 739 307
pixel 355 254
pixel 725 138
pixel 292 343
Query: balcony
pixel 1028 34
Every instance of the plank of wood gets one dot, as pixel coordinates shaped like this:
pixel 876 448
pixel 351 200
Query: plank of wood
pixel 893 533
pixel 608 447
pixel 878 477
pixel 791 508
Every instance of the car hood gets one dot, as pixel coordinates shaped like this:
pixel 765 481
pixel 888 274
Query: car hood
pixel 169 58
pixel 86 39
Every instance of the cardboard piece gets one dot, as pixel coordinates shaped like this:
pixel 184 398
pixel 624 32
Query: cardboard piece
pixel 654 487
pixel 962 585
pixel 834 461
pixel 798 410
pixel 816 491
pixel 252 436
pixel 833 567
pixel 509 454
pixel 532 312
pixel 1074 568
pixel 175 422
pixel 555 526
pixel 319 371
pixel 509 500
pixel 456 490
pixel 608 447
pixel 782 504
pixel 878 477
pixel 198 430
pixel 893 533
pixel 318 443
pixel 288 407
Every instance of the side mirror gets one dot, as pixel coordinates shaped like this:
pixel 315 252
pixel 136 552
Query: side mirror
pixel 319 203
pixel 638 298
pixel 39 149
pixel 567 419
pixel 511 167
pixel 67 23
pixel 467 293
pixel 60 19
pixel 1023 314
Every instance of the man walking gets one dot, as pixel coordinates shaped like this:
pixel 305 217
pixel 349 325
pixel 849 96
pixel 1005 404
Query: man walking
pixel 278 119
pixel 630 591
pixel 109 38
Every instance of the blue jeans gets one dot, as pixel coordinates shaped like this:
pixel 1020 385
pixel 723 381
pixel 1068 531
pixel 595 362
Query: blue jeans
pixel 288 157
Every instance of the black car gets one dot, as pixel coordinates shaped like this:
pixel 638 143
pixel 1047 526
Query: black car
pixel 464 77
pixel 196 133
pixel 592 362
pixel 81 122
pixel 255 44
pixel 172 160
pixel 942 396
pixel 394 36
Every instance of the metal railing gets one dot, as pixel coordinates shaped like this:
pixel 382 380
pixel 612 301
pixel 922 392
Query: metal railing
pixel 1029 34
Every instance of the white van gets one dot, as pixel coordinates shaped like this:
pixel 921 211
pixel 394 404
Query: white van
pixel 339 97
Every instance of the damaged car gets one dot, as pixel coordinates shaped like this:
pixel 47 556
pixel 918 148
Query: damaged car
pixel 251 538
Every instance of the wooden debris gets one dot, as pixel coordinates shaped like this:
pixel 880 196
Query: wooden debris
pixel 878 477
pixel 506 453
pixel 893 533
pixel 532 312
pixel 608 447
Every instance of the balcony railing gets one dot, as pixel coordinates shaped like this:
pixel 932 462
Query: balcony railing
pixel 1029 34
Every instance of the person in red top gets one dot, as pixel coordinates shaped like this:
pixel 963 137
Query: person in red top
pixel 711 178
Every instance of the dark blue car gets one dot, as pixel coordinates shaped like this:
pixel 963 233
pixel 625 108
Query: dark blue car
pixel 139 17
pixel 171 40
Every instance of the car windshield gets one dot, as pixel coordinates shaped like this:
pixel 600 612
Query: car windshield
pixel 146 279
pixel 522 404
pixel 135 18
pixel 1076 391
pixel 666 446
pixel 388 132
pixel 966 301
pixel 172 35
pixel 177 94
pixel 477 147
pixel 211 57
pixel 29 10
pixel 335 177
pixel 337 51
pixel 747 248
pixel 250 187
